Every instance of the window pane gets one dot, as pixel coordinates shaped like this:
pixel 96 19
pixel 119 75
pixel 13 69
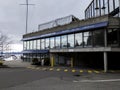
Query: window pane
pixel 34 45
pixel 52 42
pixel 38 44
pixel 87 39
pixel 24 45
pixel 42 43
pixel 70 41
pixel 31 45
pixel 111 5
pixel 78 40
pixel 27 45
pixel 116 3
pixel 64 41
pixel 57 42
pixel 98 36
pixel 47 43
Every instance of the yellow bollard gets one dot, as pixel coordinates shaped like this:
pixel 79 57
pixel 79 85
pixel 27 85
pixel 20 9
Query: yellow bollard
pixel 52 61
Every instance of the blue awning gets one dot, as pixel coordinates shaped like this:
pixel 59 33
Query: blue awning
pixel 36 51
pixel 73 30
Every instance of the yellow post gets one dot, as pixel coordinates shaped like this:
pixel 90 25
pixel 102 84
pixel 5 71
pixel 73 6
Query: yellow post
pixel 71 62
pixel 52 61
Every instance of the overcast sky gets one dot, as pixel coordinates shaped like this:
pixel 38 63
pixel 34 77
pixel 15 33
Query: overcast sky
pixel 12 14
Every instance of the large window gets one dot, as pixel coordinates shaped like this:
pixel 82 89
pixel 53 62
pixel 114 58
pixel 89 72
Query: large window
pixel 35 44
pixel 24 45
pixel 52 42
pixel 98 38
pixel 113 37
pixel 28 45
pixel 87 39
pixel 42 43
pixel 70 43
pixel 47 46
pixel 57 42
pixel 38 44
pixel 31 45
pixel 78 40
pixel 64 41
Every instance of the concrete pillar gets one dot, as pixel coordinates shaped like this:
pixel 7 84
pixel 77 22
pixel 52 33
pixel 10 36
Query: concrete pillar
pixel 105 62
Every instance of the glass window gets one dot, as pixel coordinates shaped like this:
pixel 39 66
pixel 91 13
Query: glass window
pixel 31 45
pixel 98 38
pixel 52 42
pixel 78 40
pixel 24 45
pixel 111 5
pixel 113 37
pixel 38 44
pixel 28 45
pixel 35 44
pixel 57 42
pixel 47 43
pixel 87 39
pixel 64 41
pixel 106 6
pixel 42 43
pixel 70 43
pixel 116 3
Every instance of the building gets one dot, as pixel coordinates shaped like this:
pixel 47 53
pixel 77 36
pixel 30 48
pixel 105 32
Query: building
pixel 92 42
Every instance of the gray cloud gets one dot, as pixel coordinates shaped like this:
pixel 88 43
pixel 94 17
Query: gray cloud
pixel 12 17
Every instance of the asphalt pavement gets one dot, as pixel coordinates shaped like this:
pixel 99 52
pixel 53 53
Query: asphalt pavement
pixel 18 77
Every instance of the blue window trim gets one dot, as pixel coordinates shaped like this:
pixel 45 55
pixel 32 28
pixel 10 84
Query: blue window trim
pixel 82 28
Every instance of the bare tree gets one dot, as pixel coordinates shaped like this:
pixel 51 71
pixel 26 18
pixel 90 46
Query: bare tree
pixel 4 42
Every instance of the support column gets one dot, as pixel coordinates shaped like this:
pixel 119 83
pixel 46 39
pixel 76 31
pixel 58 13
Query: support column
pixel 105 62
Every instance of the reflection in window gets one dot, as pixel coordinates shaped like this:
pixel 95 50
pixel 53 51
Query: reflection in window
pixel 52 42
pixel 113 37
pixel 34 45
pixel 87 39
pixel 31 45
pixel 64 41
pixel 78 40
pixel 24 45
pixel 98 38
pixel 57 42
pixel 47 44
pixel 42 43
pixel 38 44
pixel 28 45
pixel 70 41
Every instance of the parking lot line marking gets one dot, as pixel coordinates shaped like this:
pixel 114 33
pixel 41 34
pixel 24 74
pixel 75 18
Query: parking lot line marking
pixel 95 81
pixel 58 69
pixel 89 71
pixel 65 70
pixel 81 71
pixel 51 69
pixel 96 71
pixel 73 70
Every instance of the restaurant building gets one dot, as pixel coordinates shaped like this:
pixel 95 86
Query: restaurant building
pixel 93 42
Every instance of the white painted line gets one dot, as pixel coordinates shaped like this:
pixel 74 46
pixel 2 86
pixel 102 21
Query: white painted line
pixel 90 81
